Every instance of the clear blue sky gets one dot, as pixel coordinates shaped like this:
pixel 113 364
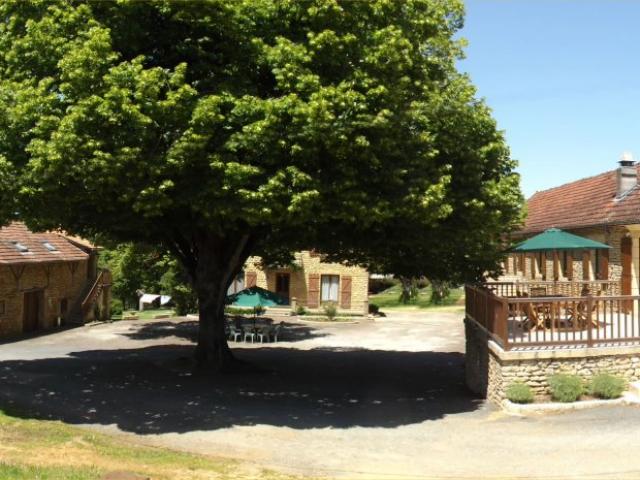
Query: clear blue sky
pixel 563 80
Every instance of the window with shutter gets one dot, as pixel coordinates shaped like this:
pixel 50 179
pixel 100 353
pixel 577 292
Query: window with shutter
pixel 313 291
pixel 251 279
pixel 329 288
pixel 345 293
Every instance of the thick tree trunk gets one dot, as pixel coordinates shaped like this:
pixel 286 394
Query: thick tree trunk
pixel 212 351
pixel 407 289
pixel 218 262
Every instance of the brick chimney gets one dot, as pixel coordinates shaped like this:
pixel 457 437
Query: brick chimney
pixel 626 174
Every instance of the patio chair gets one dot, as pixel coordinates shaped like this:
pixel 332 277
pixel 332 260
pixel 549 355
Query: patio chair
pixel 277 331
pixel 250 334
pixel 265 332
pixel 515 309
pixel 234 333
pixel 577 315
pixel 534 318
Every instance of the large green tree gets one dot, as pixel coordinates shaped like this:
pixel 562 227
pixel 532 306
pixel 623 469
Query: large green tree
pixel 220 129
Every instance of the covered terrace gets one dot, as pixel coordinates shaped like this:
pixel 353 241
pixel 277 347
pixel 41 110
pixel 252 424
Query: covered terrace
pixel 529 314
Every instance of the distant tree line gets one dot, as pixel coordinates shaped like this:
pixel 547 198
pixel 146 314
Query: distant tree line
pixel 136 267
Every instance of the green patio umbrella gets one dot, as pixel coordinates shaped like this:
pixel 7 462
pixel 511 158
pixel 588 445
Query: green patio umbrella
pixel 556 239
pixel 254 296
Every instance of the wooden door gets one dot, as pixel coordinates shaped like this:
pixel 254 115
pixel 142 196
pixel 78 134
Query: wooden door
pixel 625 250
pixel 282 285
pixel 31 312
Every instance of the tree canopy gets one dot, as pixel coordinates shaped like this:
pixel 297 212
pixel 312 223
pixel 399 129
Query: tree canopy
pixel 221 129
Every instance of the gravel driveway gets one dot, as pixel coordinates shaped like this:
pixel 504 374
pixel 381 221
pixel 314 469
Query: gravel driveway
pixel 375 399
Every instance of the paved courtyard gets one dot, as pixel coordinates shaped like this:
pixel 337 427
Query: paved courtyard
pixel 374 399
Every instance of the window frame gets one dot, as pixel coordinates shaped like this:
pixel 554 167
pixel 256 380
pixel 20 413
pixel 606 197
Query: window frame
pixel 329 276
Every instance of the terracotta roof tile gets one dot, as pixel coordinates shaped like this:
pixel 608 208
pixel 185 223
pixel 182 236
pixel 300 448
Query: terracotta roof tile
pixel 587 202
pixel 36 244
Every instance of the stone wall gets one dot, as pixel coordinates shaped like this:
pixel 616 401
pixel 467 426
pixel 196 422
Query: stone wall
pixel 476 358
pixel 56 281
pixel 490 369
pixel 305 264
pixel 612 236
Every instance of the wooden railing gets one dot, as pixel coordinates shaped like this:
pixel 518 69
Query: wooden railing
pixel 560 287
pixel 93 294
pixel 523 322
pixel 489 310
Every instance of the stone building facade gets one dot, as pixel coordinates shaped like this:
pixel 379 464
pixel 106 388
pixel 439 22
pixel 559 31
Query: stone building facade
pixel 47 280
pixel 311 282
pixel 604 208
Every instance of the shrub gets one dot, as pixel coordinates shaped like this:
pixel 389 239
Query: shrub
pixel 566 388
pixel 374 309
pixel 236 310
pixel 184 299
pixel 519 392
pixel 300 310
pixel 605 385
pixel 377 285
pixel 117 307
pixel 330 310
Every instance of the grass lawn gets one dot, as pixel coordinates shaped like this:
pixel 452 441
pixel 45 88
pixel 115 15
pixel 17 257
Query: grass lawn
pixel 390 298
pixel 47 450
pixel 146 314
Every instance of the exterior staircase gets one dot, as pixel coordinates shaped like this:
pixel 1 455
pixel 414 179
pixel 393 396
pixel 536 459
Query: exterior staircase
pixel 83 308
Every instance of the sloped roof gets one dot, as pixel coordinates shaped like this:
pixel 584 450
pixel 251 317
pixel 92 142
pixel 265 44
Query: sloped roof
pixel 37 247
pixel 584 203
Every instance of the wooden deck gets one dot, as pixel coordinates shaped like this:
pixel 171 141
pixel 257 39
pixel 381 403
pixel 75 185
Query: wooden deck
pixel 526 321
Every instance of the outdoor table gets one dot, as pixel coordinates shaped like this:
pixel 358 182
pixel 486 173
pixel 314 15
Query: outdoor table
pixel 545 312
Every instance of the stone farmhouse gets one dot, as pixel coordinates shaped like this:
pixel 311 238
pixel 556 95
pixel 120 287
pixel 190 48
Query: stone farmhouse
pixel 571 310
pixel 605 208
pixel 48 280
pixel 311 282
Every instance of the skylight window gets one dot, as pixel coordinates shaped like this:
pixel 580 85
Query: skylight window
pixel 50 246
pixel 20 247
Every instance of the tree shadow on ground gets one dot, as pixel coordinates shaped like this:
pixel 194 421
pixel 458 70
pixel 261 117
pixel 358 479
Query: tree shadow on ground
pixel 188 330
pixel 153 390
